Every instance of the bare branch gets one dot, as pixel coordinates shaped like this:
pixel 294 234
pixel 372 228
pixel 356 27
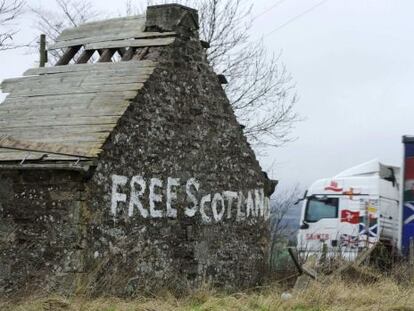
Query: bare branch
pixel 260 88
pixel 282 204
pixel 70 13
pixel 10 11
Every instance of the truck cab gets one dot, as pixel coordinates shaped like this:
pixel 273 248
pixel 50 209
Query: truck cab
pixel 351 211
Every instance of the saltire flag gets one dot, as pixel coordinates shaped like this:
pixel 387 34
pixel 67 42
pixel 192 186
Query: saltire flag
pixel 350 216
pixel 368 231
pixel 348 241
pixel 372 230
pixel 408 213
pixel 408 197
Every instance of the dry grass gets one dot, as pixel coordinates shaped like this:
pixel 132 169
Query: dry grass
pixel 339 295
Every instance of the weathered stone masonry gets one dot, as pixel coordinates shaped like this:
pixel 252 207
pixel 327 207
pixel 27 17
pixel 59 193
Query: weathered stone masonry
pixel 175 198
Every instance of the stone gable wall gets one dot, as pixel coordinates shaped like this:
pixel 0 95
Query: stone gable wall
pixel 178 135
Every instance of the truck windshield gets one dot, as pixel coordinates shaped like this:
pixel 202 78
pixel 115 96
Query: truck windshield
pixel 317 209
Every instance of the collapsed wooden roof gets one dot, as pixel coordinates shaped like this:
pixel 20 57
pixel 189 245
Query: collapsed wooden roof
pixel 67 112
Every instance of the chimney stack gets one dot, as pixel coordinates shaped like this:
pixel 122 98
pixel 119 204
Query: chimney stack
pixel 172 17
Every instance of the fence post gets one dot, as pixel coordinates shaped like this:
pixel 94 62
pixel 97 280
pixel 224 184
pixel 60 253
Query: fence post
pixel 42 51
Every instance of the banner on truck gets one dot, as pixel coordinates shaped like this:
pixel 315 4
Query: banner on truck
pixel 408 194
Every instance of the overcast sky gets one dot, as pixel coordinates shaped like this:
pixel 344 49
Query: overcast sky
pixel 353 63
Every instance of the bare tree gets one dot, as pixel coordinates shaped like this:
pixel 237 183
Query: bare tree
pixel 10 10
pixel 70 13
pixel 260 88
pixel 284 220
pixel 284 203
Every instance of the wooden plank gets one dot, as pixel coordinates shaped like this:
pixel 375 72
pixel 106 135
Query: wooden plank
pixel 92 139
pixel 82 109
pixel 96 109
pixel 108 25
pixel 127 88
pixel 56 121
pixel 81 167
pixel 95 140
pixel 20 155
pixel 66 99
pixel 58 157
pixel 111 37
pixel 85 151
pixel 59 129
pixel 71 80
pixel 130 43
pixel 73 76
pixel 101 30
pixel 83 141
pixel 68 135
pixel 131 65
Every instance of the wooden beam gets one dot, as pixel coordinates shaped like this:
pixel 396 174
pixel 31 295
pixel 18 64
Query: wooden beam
pixel 129 43
pixel 42 51
pixel 68 55
pixel 85 56
pixel 106 55
pixel 141 53
pixel 122 35
pixel 122 51
pixel 128 54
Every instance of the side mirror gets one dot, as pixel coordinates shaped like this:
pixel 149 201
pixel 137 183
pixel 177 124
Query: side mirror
pixel 304 226
pixel 304 197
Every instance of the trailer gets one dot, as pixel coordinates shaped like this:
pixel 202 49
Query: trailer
pixel 352 211
pixel 406 225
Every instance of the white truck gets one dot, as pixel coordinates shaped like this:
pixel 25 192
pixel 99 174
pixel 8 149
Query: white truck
pixel 351 211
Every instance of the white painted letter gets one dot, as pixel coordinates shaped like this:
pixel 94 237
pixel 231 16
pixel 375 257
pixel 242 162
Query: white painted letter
pixel 240 202
pixel 259 201
pixel 218 198
pixel 117 196
pixel 154 198
pixel 134 200
pixel 250 205
pixel 230 196
pixel 191 198
pixel 203 202
pixel 172 195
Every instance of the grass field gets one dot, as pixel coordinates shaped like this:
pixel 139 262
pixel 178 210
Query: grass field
pixel 338 295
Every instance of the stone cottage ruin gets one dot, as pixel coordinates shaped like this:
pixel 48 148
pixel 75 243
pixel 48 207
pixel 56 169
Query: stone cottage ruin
pixel 123 169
